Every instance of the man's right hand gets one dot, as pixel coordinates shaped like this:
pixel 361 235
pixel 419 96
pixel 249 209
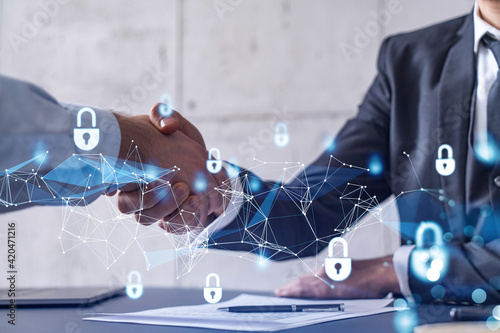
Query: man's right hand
pixel 165 151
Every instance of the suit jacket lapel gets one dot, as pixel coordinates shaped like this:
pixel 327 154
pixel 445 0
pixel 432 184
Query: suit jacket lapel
pixel 457 83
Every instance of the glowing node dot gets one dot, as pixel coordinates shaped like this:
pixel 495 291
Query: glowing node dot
pixel 496 312
pixel 479 296
pixel 433 275
pixel 400 304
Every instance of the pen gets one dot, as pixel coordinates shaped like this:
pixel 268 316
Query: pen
pixel 471 313
pixel 286 308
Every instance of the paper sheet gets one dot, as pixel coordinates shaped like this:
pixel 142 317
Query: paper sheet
pixel 207 316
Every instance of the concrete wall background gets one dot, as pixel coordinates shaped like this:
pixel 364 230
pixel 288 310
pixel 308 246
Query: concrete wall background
pixel 230 73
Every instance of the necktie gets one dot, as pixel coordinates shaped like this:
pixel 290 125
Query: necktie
pixel 493 103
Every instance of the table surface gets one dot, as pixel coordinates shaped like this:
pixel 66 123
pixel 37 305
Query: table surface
pixel 69 319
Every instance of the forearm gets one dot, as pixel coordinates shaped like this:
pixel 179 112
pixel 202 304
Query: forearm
pixel 298 219
pixel 36 136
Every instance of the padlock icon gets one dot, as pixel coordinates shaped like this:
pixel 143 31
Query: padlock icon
pixel 86 138
pixel 212 295
pixel 214 166
pixel 428 261
pixel 134 289
pixel 281 136
pixel 338 269
pixel 445 166
pixel 165 107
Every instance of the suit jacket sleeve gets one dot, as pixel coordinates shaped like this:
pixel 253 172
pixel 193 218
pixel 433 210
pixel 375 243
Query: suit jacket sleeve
pixel 296 219
pixel 37 129
pixel 472 270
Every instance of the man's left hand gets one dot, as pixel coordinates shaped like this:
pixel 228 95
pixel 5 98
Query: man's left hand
pixel 373 278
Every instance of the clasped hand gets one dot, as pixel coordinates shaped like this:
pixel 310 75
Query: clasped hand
pixel 167 142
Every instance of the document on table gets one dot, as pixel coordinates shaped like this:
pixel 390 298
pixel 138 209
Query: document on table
pixel 207 316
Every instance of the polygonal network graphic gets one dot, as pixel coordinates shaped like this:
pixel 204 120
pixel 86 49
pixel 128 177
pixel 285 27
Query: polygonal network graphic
pixel 109 234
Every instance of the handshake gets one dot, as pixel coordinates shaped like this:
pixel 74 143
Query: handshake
pixel 165 142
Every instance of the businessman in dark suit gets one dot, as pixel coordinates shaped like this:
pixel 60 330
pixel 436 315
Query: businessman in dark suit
pixel 434 86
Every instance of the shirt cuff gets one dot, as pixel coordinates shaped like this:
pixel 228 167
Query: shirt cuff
pixel 400 260
pixel 235 196
pixel 106 123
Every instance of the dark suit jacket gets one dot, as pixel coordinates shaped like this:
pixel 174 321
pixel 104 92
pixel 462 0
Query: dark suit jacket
pixel 421 98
